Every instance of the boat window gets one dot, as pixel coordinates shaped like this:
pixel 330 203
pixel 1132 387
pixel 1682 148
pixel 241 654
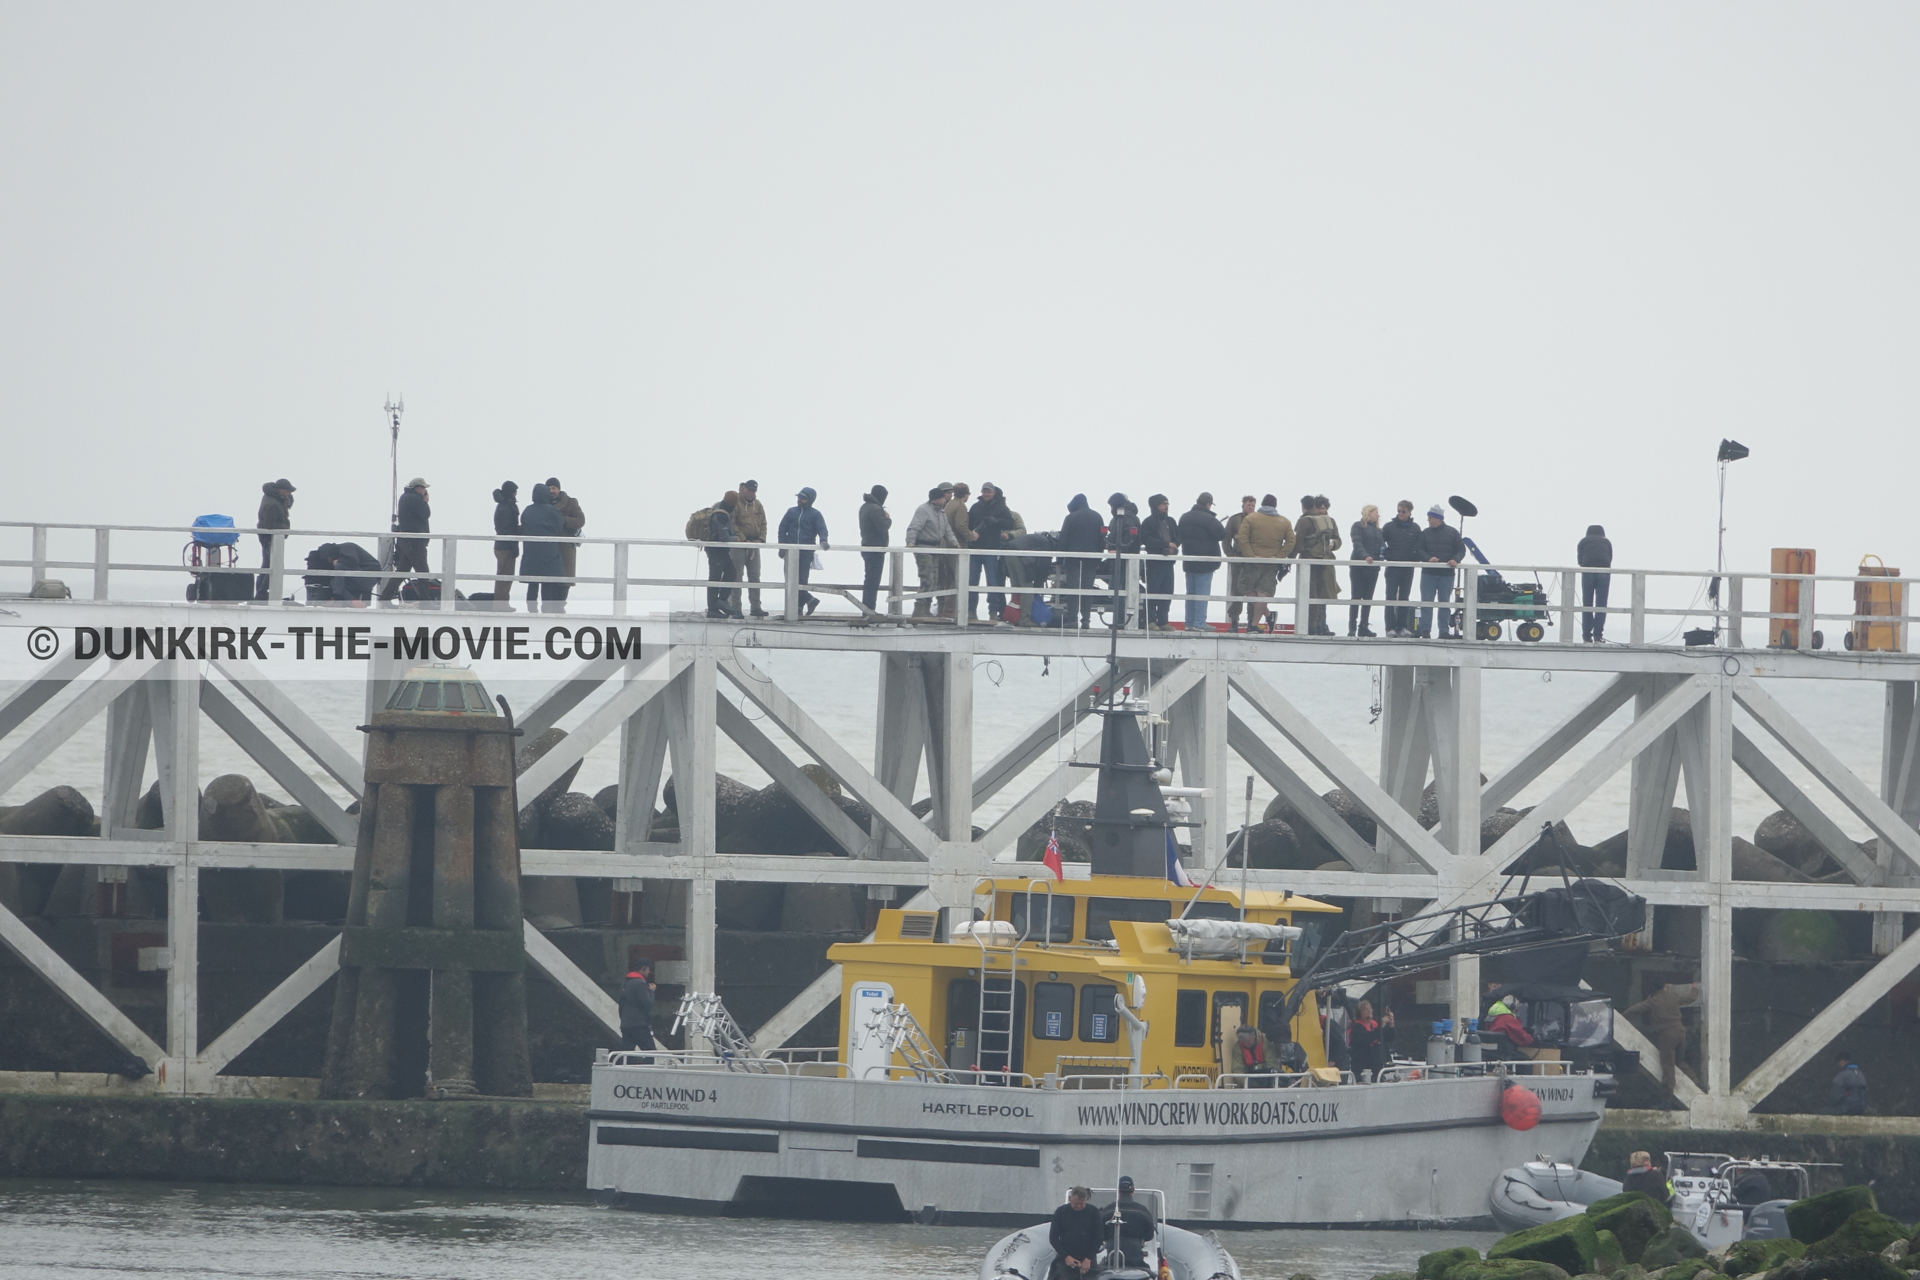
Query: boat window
pixel 1236 1000
pixel 1273 1016
pixel 1102 912
pixel 1053 1011
pixel 403 697
pixel 1190 1019
pixel 476 696
pixel 1099 1024
pixel 429 696
pixel 1052 917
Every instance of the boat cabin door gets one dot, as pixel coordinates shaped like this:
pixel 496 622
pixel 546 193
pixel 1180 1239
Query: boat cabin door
pixel 865 1052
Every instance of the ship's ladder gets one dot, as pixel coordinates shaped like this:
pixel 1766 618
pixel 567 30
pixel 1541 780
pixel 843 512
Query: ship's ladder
pixel 895 1027
pixel 703 1015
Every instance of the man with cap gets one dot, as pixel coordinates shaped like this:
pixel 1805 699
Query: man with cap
pixel 1074 1235
pixel 749 525
pixel 1136 1223
pixel 801 529
pixel 409 554
pixel 636 1007
pixel 1201 534
pixel 930 528
pixel 1440 544
pixel 876 530
pixel 1160 539
pixel 572 519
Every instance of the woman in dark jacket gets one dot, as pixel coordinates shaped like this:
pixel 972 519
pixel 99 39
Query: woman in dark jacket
pixel 1368 543
pixel 876 528
pixel 506 523
pixel 1369 1040
pixel 542 519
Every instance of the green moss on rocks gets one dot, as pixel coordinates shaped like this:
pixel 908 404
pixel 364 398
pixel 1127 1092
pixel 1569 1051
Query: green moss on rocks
pixel 1432 1266
pixel 1858 1266
pixel 1749 1257
pixel 1675 1244
pixel 1633 1218
pixel 1817 1217
pixel 1864 1231
pixel 1506 1269
pixel 1687 1270
pixel 1608 1256
pixel 1569 1244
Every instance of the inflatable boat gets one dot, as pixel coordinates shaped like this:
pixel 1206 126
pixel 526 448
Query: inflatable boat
pixel 1186 1255
pixel 1545 1191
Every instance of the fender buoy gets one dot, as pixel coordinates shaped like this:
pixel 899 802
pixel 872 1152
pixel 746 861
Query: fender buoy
pixel 1519 1107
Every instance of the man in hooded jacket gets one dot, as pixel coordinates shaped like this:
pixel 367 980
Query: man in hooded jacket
pixel 506 549
pixel 1594 552
pixel 541 519
pixel 636 1006
pixel 276 501
pixel 930 528
pixel 876 528
pixel 1081 531
pixel 801 529
pixel 722 602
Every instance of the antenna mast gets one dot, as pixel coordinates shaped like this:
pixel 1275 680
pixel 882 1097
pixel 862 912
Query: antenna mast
pixel 395 406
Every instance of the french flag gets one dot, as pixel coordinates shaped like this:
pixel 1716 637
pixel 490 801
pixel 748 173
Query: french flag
pixel 1176 870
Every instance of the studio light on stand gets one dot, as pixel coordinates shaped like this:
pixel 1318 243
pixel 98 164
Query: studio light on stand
pixel 1730 451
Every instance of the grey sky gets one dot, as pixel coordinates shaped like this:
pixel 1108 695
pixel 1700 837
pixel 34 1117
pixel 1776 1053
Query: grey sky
pixel 1543 255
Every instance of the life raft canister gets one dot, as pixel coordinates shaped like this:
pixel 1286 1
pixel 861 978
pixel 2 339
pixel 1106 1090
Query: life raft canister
pixel 1519 1107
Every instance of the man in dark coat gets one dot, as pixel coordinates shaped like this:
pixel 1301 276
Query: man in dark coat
pixel 1081 531
pixel 1399 547
pixel 1440 545
pixel 409 554
pixel 801 529
pixel 1159 536
pixel 276 499
pixel 1074 1235
pixel 1201 534
pixel 506 550
pixel 722 566
pixel 990 523
pixel 1594 552
pixel 353 568
pixel 1136 1223
pixel 541 519
pixel 636 1005
pixel 1849 1095
pixel 876 529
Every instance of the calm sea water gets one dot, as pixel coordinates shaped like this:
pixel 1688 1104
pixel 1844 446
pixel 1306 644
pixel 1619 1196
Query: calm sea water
pixel 105 1230
pixel 838 690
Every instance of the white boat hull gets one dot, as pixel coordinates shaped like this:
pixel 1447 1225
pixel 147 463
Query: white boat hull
pixel 1414 1153
pixel 1190 1255
pixel 1545 1191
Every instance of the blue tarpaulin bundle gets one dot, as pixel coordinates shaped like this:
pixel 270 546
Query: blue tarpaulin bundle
pixel 214 531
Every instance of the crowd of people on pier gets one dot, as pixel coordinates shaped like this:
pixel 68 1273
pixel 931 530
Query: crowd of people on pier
pixel 1013 566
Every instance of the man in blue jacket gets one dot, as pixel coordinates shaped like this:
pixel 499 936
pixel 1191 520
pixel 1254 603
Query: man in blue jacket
pixel 801 529
pixel 1444 551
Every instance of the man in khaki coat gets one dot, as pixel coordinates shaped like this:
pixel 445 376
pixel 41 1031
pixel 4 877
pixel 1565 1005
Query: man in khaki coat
pixel 964 537
pixel 749 525
pixel 1317 538
pixel 573 519
pixel 1262 534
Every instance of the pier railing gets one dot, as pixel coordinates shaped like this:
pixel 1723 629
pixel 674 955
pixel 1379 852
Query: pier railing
pixel 102 563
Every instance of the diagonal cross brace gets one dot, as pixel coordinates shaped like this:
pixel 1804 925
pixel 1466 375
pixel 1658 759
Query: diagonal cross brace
pixel 68 720
pixel 1782 791
pixel 1320 815
pixel 281 767
pixel 1559 740
pixel 818 994
pixel 1895 835
pixel 278 706
pixel 1587 779
pixel 76 990
pixel 606 717
pixel 1828 1023
pixel 274 1006
pixel 1329 759
pixel 764 752
pixel 821 745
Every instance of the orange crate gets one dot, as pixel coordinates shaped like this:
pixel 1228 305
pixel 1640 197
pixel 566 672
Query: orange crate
pixel 1784 596
pixel 1878 600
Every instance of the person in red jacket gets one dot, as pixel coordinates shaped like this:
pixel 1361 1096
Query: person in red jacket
pixel 1501 1021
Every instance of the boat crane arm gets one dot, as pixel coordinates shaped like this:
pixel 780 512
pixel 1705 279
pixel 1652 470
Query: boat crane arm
pixel 1573 911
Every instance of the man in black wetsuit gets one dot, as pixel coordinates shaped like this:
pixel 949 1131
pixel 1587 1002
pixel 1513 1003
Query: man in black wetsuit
pixel 636 1008
pixel 1136 1224
pixel 1074 1235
